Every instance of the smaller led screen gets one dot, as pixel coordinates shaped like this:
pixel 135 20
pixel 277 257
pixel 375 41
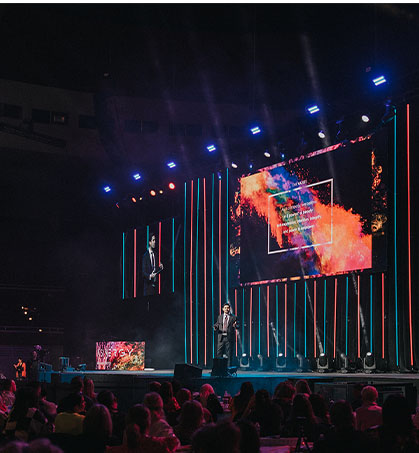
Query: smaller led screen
pixel 120 355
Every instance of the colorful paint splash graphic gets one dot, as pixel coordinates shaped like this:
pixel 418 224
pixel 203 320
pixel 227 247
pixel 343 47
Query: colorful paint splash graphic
pixel 120 355
pixel 302 219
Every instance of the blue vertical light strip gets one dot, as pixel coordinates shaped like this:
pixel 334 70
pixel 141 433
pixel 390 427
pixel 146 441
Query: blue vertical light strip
pixel 295 313
pixel 395 237
pixel 243 348
pixel 259 319
pixel 184 278
pixel 347 314
pixel 123 266
pixel 227 245
pixel 277 323
pixel 324 317
pixel 212 264
pixel 196 275
pixel 173 255
pixel 371 347
pixel 305 318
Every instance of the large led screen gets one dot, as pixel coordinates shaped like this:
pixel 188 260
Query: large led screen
pixel 120 355
pixel 320 214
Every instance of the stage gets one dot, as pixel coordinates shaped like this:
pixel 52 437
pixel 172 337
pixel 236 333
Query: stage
pixel 131 386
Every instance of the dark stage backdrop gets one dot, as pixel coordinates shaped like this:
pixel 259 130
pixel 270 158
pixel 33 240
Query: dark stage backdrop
pixel 293 302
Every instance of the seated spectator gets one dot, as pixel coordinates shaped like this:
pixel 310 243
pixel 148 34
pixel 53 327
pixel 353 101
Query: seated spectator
pixel 301 386
pixel 170 405
pixel 321 413
pixel 158 426
pixel 36 446
pixel 26 421
pixel 108 399
pixel 214 407
pixel 268 415
pixel 221 438
pixel 343 437
pixel 7 395
pixel 302 420
pixel 97 430
pixel 76 386
pixel 369 414
pixel 191 418
pixel 249 437
pixel 356 399
pixel 154 386
pixel 71 421
pixel 283 396
pixel 397 433
pixel 204 392
pixel 89 392
pixel 183 395
pixel 48 408
pixel 239 402
pixel 136 436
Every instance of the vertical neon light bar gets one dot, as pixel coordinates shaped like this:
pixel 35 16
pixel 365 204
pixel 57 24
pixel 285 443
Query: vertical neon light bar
pixel 358 317
pixel 205 273
pixel 277 323
pixel 219 244
pixel 173 255
pixel 324 316
pixel 285 319
pixel 250 324
pixel 408 234
pixel 227 245
pixel 184 277
pixel 334 318
pixel 259 323
pixel 295 315
pixel 267 321
pixel 190 277
pixel 196 275
pixel 315 318
pixel 123 266
pixel 396 307
pixel 235 311
pixel 135 263
pixel 382 315
pixel 371 315
pixel 159 255
pixel 243 348
pixel 347 313
pixel 212 265
pixel 305 318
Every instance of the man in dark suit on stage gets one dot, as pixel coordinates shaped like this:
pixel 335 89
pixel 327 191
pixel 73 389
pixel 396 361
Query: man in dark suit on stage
pixel 226 326
pixel 150 268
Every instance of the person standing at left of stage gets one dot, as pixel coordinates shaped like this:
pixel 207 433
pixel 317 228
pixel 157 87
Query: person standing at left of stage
pixel 226 326
pixel 151 268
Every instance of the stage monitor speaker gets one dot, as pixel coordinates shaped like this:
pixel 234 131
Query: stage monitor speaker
pixel 219 366
pixel 186 371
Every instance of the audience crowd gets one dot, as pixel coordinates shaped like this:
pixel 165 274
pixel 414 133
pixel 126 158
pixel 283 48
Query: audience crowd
pixel 172 418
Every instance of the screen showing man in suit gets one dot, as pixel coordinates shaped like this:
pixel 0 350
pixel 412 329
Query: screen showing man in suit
pixel 151 268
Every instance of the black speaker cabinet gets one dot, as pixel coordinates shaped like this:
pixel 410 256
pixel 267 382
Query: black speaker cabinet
pixel 186 371
pixel 219 367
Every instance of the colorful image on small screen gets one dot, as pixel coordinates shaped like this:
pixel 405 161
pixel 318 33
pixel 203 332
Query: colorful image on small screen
pixel 120 355
pixel 316 215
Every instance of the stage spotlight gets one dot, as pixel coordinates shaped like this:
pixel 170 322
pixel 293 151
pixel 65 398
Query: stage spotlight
pixel 171 186
pixel 160 192
pixel 107 189
pixel 302 363
pixel 313 109
pixel 344 363
pixel 365 118
pixel 255 130
pixel 321 134
pixel 281 362
pixel 369 363
pixel 267 154
pixel 379 80
pixel 244 361
pixel 141 198
pixel 134 200
pixel 322 363
pixel 282 156
pixel 171 164
pixel 137 176
pixel 211 148
pixel 153 193
pixel 250 165
pixel 234 165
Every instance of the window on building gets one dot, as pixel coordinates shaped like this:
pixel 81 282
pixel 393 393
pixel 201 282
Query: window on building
pixel 59 118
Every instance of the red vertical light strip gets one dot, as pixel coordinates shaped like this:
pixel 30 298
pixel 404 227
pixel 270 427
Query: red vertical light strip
pixel 250 327
pixel 382 315
pixel 205 273
pixel 159 256
pixel 219 240
pixel 267 320
pixel 408 234
pixel 235 311
pixel 359 318
pixel 315 319
pixel 285 320
pixel 190 274
pixel 334 322
pixel 135 262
